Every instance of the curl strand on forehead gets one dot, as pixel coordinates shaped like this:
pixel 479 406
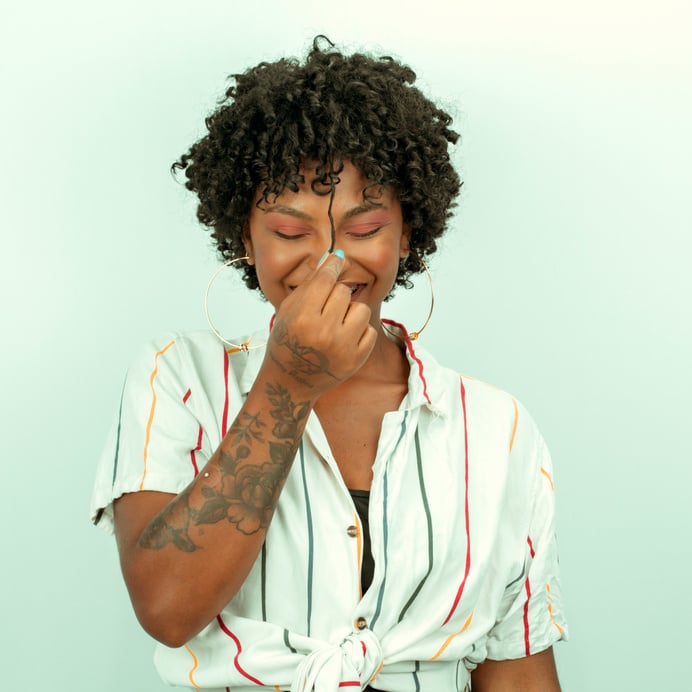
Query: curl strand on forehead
pixel 328 108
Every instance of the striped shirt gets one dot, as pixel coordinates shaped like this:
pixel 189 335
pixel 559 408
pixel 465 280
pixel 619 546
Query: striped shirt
pixel 461 526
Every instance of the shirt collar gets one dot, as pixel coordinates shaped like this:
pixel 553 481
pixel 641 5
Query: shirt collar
pixel 423 373
pixel 423 379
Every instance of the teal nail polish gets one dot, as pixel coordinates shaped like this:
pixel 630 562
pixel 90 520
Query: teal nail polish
pixel 324 257
pixel 339 253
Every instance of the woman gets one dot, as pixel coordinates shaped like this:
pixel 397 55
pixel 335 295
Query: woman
pixel 332 508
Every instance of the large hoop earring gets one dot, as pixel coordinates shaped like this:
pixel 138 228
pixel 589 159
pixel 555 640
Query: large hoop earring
pixel 245 346
pixel 414 335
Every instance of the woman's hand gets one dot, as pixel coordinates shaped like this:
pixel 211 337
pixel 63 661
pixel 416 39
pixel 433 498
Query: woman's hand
pixel 320 338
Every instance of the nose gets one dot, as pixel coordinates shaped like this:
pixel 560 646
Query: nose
pixel 318 252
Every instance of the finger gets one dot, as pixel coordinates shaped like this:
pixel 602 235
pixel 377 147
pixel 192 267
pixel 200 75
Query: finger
pixel 338 302
pixel 367 340
pixel 316 289
pixel 331 264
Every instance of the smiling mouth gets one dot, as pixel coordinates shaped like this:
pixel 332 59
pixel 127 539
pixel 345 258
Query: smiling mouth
pixel 355 289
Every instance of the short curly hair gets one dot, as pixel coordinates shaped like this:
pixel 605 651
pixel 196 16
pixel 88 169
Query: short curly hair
pixel 331 108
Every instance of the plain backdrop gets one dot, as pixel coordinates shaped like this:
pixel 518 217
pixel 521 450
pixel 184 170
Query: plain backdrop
pixel 565 279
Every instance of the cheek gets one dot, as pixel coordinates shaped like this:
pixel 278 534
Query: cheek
pixel 382 257
pixel 276 265
pixel 271 261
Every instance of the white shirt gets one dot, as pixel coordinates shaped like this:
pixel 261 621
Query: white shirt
pixel 461 523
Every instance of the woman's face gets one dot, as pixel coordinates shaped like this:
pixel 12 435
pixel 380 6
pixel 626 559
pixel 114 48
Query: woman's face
pixel 288 236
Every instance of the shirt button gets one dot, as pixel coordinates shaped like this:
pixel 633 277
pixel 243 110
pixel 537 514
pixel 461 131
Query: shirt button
pixel 352 531
pixel 361 623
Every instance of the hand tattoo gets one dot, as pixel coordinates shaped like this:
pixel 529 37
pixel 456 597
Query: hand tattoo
pixel 305 360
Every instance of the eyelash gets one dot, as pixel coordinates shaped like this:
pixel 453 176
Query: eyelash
pixel 289 236
pixel 297 236
pixel 367 234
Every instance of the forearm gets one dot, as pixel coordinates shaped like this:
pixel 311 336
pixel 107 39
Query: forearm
pixel 185 564
pixel 535 673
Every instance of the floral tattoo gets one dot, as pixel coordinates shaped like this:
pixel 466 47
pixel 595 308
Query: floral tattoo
pixel 244 492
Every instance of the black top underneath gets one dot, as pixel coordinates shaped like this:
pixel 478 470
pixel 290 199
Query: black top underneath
pixel 361 499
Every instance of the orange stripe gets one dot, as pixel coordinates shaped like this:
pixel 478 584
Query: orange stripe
pixel 152 377
pixel 377 672
pixel 547 475
pixel 514 429
pixel 359 550
pixel 195 664
pixel 231 351
pixel 451 636
pixel 550 610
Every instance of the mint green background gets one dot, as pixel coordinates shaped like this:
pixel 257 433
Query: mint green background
pixel 566 280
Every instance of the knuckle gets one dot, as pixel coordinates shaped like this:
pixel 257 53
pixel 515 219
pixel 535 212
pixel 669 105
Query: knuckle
pixel 342 290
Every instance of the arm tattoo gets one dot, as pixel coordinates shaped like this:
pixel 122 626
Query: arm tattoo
pixel 244 493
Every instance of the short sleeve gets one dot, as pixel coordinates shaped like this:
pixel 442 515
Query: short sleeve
pixel 155 442
pixel 532 617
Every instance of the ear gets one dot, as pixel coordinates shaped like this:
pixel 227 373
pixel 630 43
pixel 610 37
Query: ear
pixel 404 244
pixel 247 242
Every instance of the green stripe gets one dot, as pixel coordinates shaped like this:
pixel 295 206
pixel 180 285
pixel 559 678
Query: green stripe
pixel 415 676
pixel 428 517
pixel 117 435
pixel 519 578
pixel 264 580
pixel 288 643
pixel 385 531
pixel 311 540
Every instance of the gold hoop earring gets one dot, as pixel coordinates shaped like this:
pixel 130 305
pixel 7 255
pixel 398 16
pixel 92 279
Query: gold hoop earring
pixel 245 346
pixel 414 335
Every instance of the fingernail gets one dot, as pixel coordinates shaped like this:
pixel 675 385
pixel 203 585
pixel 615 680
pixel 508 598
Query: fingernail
pixel 324 257
pixel 339 253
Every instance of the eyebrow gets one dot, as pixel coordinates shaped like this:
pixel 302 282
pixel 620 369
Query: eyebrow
pixel 296 213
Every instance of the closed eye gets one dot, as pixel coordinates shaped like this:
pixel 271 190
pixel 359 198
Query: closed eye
pixel 293 235
pixel 365 234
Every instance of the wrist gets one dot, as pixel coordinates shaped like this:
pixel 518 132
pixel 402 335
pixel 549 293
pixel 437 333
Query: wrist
pixel 273 372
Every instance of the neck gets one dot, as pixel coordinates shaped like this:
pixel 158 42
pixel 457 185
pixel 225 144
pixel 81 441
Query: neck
pixel 386 362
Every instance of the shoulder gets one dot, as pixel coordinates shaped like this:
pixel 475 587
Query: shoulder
pixel 495 422
pixel 193 366
pixel 486 401
pixel 481 403
pixel 190 352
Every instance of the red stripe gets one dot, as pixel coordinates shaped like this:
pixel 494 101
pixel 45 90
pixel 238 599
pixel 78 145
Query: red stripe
pixel 222 625
pixel 527 643
pixel 193 452
pixel 365 648
pixel 349 683
pixel 409 346
pixel 467 567
pixel 224 419
pixel 271 322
